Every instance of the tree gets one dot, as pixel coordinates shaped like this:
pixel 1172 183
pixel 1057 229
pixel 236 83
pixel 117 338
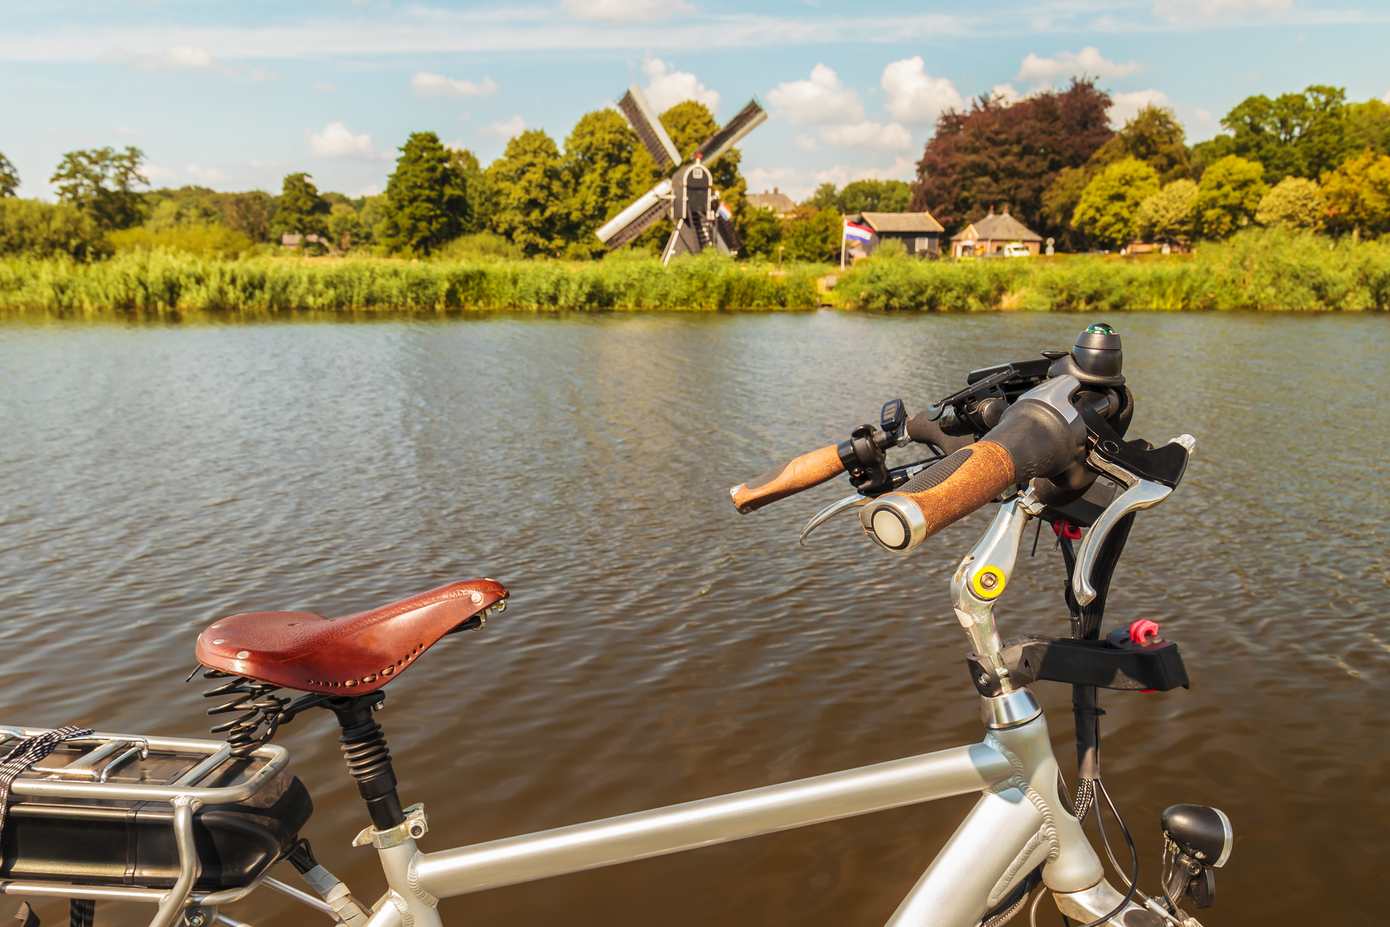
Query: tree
pixel 1009 154
pixel 812 235
pixel 599 173
pixel 101 182
pixel 1109 207
pixel 761 231
pixel 478 193
pixel 40 229
pixel 344 226
pixel 1060 200
pixel 250 213
pixel 874 196
pixel 1368 126
pixel 1170 215
pixel 1299 134
pixel 9 177
pixel 528 182
pixel 1293 203
pixel 426 198
pixel 1228 195
pixel 300 210
pixel 1155 137
pixel 1205 154
pixel 372 217
pixel 1358 195
pixel 825 197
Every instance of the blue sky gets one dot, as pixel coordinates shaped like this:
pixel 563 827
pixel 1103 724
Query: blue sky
pixel 235 95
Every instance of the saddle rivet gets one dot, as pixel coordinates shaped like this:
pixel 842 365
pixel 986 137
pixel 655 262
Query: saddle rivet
pixel 219 641
pixel 243 654
pixel 477 597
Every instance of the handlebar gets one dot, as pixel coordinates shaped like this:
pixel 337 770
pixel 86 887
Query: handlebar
pixel 940 495
pixel 803 472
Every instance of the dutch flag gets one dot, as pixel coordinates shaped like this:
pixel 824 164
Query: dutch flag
pixel 856 232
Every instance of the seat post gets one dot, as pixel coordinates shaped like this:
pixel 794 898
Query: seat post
pixel 368 760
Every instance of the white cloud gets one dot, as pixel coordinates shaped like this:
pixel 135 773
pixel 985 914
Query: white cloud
pixel 665 87
pixel 426 84
pixel 798 183
pixel 336 140
pixel 1184 11
pixel 875 136
pixel 821 100
pixel 1124 106
pixel 1386 98
pixel 175 58
pixel 627 10
pixel 1089 61
pixel 903 168
pixel 323 86
pixel 507 129
pixel 914 96
pixel 158 174
pixel 806 142
pixel 205 175
pixel 1006 93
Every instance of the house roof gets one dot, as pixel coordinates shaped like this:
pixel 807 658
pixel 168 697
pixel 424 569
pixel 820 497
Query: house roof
pixel 996 226
pixel 919 222
pixel 777 201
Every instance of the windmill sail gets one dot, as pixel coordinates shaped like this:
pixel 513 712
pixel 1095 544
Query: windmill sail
pixel 645 212
pixel 748 119
pixel 645 123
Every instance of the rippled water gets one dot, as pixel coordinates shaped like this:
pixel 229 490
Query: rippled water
pixel 662 648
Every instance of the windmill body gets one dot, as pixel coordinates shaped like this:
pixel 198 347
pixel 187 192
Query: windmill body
pixel 688 199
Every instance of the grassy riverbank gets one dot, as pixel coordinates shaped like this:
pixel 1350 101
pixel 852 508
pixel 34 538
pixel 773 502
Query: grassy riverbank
pixel 1256 271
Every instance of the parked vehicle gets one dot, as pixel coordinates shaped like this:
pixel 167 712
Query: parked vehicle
pixel 191 825
pixel 1016 249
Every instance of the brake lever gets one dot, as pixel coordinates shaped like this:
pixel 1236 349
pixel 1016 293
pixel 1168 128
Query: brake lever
pixel 1139 494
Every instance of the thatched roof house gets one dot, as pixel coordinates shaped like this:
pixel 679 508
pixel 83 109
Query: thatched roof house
pixel 777 201
pixel 990 234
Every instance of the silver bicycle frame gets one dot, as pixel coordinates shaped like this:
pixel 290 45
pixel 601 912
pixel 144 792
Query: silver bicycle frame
pixel 1019 823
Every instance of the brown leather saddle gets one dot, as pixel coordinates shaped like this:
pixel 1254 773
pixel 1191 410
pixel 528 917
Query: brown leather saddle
pixel 352 655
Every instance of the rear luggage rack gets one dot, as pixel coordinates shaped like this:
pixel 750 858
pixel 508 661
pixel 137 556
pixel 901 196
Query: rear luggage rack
pixel 103 767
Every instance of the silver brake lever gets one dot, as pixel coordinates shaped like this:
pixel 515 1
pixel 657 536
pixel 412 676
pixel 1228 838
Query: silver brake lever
pixel 1139 494
pixel 829 512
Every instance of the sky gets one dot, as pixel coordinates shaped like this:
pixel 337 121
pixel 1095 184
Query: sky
pixel 234 95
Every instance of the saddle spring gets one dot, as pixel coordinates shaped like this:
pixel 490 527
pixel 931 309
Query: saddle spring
pixel 258 708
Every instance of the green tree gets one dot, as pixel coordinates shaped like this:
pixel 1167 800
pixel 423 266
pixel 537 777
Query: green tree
pixel 1228 195
pixel 300 210
pixel 1205 154
pixel 1298 134
pixel 1293 203
pixel 1109 207
pixel 372 217
pixel 1368 126
pixel 599 173
pixel 9 177
pixel 812 235
pixel 101 182
pixel 427 200
pixel 344 226
pixel 874 196
pixel 39 229
pixel 476 189
pixel 529 187
pixel 761 231
pixel 1155 137
pixel 250 213
pixel 1358 195
pixel 825 197
pixel 1060 200
pixel 1170 215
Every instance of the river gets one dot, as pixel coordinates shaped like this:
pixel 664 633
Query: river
pixel 659 647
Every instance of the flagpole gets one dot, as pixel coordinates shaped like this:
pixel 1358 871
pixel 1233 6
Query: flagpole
pixel 844 228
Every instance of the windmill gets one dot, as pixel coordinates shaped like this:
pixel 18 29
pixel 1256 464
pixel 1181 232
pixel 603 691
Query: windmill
pixel 688 197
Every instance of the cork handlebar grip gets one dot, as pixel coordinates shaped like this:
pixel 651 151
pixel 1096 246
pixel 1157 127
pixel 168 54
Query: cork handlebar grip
pixel 944 493
pixel 810 469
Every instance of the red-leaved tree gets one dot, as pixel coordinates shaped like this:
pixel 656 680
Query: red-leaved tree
pixel 998 154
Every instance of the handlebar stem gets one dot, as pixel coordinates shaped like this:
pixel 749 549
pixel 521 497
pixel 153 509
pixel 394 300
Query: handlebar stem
pixel 981 577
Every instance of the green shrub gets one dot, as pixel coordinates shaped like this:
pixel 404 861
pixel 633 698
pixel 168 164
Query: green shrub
pixel 39 229
pixel 480 246
pixel 206 239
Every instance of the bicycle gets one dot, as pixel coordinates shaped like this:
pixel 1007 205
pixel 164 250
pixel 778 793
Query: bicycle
pixel 192 825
